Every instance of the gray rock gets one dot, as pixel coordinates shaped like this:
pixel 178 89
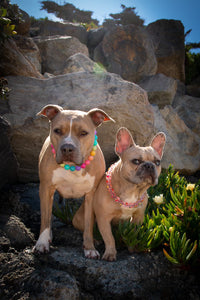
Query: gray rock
pixel 49 28
pixel 53 284
pixel 160 89
pixel 30 50
pixel 127 51
pixel 13 62
pixel 188 109
pixel 55 50
pixel 169 42
pixel 80 63
pixel 182 149
pixel 18 234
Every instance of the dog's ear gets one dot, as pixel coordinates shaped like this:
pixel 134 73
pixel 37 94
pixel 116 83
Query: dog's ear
pixel 50 111
pixel 124 140
pixel 98 116
pixel 158 143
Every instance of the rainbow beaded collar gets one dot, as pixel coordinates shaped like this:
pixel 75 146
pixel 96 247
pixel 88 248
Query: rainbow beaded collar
pixel 87 162
pixel 136 204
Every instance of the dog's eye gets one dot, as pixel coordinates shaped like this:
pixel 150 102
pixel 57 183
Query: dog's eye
pixel 157 163
pixel 136 161
pixel 83 133
pixel 58 131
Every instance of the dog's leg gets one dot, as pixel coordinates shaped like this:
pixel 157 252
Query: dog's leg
pixel 88 243
pixel 46 203
pixel 78 219
pixel 106 232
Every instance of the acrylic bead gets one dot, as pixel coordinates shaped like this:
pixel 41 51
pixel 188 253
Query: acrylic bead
pixel 67 167
pixel 62 165
pixel 78 168
pixel 92 153
pixel 91 158
pixel 83 166
pixel 87 162
pixel 72 168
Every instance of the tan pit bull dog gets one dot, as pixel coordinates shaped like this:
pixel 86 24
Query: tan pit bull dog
pixel 122 192
pixel 72 163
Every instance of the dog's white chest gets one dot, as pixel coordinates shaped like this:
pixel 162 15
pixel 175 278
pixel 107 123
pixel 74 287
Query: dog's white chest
pixel 72 184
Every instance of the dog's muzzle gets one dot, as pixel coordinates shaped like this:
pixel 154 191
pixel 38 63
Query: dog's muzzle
pixel 147 171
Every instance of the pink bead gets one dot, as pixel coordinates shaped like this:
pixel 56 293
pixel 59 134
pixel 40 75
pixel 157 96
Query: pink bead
pixel 83 166
pixel 53 150
pixel 87 162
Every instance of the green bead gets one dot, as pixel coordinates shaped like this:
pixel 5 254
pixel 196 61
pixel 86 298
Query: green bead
pixel 72 168
pixel 67 167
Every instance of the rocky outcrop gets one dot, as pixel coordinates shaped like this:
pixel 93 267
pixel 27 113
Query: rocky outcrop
pixel 30 50
pixel 49 28
pixel 188 109
pixel 160 89
pixel 169 42
pixel 82 91
pixel 13 62
pixel 127 51
pixel 183 146
pixel 55 50
pixel 80 63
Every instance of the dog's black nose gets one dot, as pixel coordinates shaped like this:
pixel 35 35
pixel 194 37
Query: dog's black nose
pixel 67 149
pixel 149 166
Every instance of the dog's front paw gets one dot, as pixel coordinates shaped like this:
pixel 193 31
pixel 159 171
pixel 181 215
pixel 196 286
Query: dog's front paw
pixel 41 248
pixel 93 254
pixel 42 245
pixel 109 256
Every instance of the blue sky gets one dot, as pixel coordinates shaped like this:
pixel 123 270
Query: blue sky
pixel 188 11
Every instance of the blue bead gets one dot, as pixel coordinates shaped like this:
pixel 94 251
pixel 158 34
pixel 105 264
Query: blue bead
pixel 72 168
pixel 66 167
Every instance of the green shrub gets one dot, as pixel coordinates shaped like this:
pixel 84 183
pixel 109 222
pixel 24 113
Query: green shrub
pixel 6 28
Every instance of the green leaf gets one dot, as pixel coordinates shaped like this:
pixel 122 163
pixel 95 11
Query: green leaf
pixel 171 259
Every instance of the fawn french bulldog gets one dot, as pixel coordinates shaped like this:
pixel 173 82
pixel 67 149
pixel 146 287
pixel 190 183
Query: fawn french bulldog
pixel 122 192
pixel 72 163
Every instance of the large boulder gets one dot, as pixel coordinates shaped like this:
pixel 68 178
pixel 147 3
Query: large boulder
pixel 48 28
pixel 160 88
pixel 183 146
pixel 14 62
pixel 55 50
pixel 79 63
pixel 30 50
pixel 127 51
pixel 125 102
pixel 169 42
pixel 188 109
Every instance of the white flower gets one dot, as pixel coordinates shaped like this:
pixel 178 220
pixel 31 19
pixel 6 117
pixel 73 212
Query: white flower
pixel 190 186
pixel 158 199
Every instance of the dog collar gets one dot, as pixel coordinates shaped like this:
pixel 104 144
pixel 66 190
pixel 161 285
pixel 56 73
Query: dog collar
pixel 136 204
pixel 87 162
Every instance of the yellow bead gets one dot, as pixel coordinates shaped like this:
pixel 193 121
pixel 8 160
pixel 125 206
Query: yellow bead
pixel 94 148
pixel 62 165
pixel 92 153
